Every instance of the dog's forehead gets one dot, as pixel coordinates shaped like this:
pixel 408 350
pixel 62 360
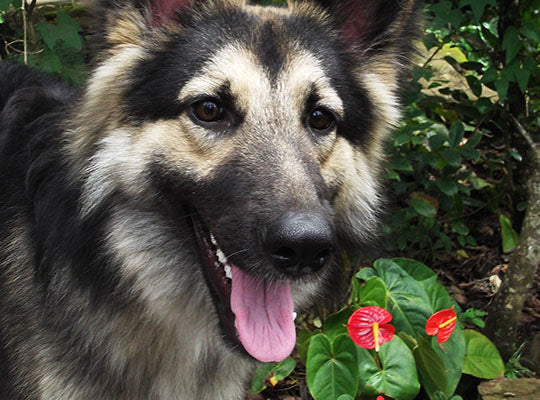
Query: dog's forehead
pixel 252 82
pixel 266 63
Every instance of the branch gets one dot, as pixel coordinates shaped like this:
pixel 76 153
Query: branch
pixel 528 138
pixel 25 30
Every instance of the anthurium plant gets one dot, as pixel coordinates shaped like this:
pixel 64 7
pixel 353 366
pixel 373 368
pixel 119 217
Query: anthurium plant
pixel 399 333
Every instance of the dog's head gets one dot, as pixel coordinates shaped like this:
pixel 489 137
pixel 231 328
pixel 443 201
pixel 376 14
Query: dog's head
pixel 264 125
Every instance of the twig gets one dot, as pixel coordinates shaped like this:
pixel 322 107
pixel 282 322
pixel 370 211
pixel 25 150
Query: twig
pixel 23 8
pixel 526 135
pixel 431 57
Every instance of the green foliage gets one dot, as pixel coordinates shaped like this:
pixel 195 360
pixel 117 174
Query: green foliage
pixel 409 290
pixel 332 367
pixel 276 370
pixel 392 372
pixel 443 163
pixel 482 359
pixel 54 40
pixel 473 316
pixel 514 368
pixel 509 236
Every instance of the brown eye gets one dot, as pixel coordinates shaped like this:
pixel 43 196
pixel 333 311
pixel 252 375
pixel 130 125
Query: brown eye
pixel 208 110
pixel 320 119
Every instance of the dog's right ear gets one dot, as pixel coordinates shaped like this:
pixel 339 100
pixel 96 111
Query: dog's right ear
pixel 372 24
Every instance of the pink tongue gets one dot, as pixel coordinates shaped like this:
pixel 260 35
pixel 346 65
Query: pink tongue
pixel 264 319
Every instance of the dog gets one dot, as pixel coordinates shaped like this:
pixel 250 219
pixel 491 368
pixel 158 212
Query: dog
pixel 161 227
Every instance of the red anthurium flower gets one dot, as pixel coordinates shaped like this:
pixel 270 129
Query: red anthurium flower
pixel 380 398
pixel 368 327
pixel 442 324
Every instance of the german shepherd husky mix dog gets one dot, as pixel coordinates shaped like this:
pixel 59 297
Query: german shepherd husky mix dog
pixel 159 230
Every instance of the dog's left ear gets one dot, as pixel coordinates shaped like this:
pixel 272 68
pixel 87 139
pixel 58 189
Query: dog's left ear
pixel 372 24
pixel 163 10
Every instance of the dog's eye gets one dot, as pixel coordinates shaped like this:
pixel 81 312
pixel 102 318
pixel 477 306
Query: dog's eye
pixel 320 119
pixel 208 110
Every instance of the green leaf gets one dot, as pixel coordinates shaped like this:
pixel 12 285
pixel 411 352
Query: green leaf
pixel 509 236
pixel 482 358
pixel 335 324
pixel 515 154
pixel 365 273
pixel 418 271
pixel 332 367
pixel 472 66
pixel 530 30
pixel 373 293
pixel 406 299
pixel 280 370
pixel 65 29
pixel 345 397
pixel 511 43
pixel 302 343
pixel 452 157
pixel 522 77
pixel 4 5
pixel 477 7
pixel 436 141
pixel 474 84
pixel 501 85
pixel 431 368
pixel 262 372
pixel 447 185
pixel 473 315
pixel 458 226
pixel 440 368
pixel 396 377
pixel 68 30
pixel 456 134
pixel 400 163
pixel 490 75
pixel 423 208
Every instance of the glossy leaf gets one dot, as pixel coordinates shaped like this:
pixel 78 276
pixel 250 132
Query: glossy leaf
pixel 406 300
pixel 396 377
pixel 332 367
pixel 440 369
pixel 423 208
pixel 456 134
pixel 482 359
pixel 336 324
pixel 279 370
pixel 373 292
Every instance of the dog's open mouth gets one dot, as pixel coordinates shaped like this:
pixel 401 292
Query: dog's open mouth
pixel 255 312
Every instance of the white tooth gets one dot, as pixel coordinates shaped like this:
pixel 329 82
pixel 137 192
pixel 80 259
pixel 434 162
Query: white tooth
pixel 228 271
pixel 221 257
pixel 213 240
pixel 294 315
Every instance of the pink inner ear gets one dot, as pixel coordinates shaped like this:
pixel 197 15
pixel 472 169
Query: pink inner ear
pixel 359 18
pixel 354 31
pixel 166 9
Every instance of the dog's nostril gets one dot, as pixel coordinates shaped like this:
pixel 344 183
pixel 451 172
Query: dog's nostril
pixel 299 244
pixel 284 254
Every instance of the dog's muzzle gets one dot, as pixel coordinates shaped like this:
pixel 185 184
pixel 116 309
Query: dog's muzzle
pixel 298 243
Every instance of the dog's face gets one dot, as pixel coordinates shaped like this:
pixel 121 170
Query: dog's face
pixel 259 130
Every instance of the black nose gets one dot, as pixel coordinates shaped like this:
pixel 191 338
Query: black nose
pixel 299 243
